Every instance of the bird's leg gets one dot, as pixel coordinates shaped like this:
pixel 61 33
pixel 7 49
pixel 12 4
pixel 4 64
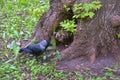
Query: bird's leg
pixel 36 58
pixel 41 57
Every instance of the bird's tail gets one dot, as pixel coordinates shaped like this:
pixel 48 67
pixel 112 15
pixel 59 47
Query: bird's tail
pixel 25 50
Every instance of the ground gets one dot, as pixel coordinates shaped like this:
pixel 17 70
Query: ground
pixel 98 68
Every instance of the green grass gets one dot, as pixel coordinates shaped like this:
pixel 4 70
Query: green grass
pixel 19 71
pixel 18 19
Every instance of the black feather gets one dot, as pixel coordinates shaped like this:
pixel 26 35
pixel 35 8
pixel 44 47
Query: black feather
pixel 36 49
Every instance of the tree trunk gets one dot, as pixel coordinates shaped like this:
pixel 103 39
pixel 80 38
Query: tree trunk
pixel 51 20
pixel 95 37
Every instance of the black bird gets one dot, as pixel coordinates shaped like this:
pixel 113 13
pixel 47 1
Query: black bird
pixel 36 49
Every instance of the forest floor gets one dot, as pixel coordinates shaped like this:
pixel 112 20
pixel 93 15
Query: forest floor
pixel 102 65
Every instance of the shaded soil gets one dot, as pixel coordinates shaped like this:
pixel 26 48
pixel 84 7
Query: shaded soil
pixel 83 65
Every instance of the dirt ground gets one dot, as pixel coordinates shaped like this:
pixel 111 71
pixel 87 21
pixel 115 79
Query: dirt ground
pixel 83 65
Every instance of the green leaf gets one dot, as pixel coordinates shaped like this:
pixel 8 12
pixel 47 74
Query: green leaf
pixel 66 8
pixel 59 56
pixel 69 25
pixel 13 44
pixel 16 33
pixel 12 67
pixel 15 47
pixel 86 9
pixel 54 42
pixel 91 14
pixel 99 78
pixel 4 35
pixel 118 35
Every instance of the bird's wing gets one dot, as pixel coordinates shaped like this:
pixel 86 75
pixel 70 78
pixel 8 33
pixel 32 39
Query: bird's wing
pixel 36 49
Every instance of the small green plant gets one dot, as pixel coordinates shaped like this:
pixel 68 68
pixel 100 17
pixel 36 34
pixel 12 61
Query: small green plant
pixel 118 35
pixel 66 8
pixel 99 78
pixel 80 78
pixel 9 71
pixel 59 56
pixel 84 10
pixel 116 65
pixel 19 71
pixel 57 53
pixel 109 72
pixel 69 25
pixel 15 48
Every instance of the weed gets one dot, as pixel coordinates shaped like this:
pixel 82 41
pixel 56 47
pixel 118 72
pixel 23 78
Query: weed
pixel 69 25
pixel 109 72
pixel 84 10
pixel 118 35
pixel 66 8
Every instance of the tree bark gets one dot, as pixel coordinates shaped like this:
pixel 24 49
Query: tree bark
pixel 95 37
pixel 51 20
